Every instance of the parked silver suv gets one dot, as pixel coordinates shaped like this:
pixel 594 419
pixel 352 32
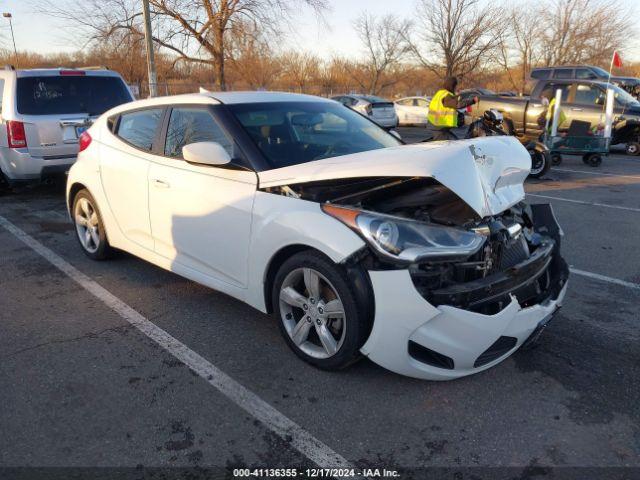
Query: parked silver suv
pixel 44 111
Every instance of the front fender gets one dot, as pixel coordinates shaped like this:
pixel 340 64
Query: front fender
pixel 279 222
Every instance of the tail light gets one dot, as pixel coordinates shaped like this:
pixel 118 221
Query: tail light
pixel 16 136
pixel 73 73
pixel 84 141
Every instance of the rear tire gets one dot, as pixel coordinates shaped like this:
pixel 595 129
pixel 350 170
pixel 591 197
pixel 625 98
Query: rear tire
pixel 593 159
pixel 90 230
pixel 556 159
pixel 317 311
pixel 4 184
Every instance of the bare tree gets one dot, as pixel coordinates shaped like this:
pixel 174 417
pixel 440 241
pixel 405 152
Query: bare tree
pixel 519 46
pixel 300 69
pixel 191 30
pixel 252 58
pixel 385 46
pixel 455 37
pixel 584 31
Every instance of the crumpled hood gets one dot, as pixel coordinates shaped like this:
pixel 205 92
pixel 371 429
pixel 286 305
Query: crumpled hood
pixel 487 173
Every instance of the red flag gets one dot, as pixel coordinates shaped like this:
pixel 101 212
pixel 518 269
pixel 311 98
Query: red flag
pixel 617 60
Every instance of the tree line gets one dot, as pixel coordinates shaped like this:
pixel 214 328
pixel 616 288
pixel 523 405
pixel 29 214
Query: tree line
pixel 236 44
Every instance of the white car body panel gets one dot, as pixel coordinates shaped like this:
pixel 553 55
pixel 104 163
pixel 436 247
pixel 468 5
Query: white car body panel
pixel 124 171
pixel 489 181
pixel 403 315
pixel 280 222
pixel 197 212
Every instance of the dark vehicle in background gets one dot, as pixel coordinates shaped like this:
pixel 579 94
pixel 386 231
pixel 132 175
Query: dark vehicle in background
pixel 474 92
pixel 581 72
pixel 582 100
pixel 44 112
pixel 381 111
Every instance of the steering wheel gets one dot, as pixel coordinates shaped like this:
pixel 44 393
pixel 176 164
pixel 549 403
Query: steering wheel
pixel 335 148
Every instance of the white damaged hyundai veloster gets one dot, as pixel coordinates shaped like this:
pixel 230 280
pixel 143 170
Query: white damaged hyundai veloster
pixel 422 257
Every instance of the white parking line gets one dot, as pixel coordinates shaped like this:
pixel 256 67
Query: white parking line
pixel 554 169
pixel 604 278
pixel 582 202
pixel 287 429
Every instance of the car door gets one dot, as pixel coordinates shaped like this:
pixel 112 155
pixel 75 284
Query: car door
pixel 586 104
pixel 201 214
pixel 537 109
pixel 124 166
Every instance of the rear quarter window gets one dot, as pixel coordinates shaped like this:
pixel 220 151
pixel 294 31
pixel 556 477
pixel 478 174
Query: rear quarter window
pixel 139 128
pixel 540 74
pixel 56 95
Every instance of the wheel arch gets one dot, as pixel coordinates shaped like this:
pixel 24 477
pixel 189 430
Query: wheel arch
pixel 274 264
pixel 73 191
pixel 358 278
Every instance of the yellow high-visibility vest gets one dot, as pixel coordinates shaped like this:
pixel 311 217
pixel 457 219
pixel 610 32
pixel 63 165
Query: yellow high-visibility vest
pixel 549 116
pixel 439 115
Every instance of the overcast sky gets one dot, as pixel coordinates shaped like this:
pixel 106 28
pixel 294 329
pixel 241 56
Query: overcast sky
pixel 37 32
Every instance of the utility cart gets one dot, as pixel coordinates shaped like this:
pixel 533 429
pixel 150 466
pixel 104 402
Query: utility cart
pixel 593 148
pixel 580 139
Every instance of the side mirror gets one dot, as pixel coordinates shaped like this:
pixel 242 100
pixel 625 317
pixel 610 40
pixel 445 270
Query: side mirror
pixel 206 153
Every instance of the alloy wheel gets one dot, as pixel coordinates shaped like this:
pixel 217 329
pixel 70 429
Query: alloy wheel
pixel 87 225
pixel 312 313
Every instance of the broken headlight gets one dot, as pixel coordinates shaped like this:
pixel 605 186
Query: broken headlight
pixel 408 241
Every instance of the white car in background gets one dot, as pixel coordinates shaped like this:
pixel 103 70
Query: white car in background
pixel 413 110
pixel 357 243
pixel 377 109
pixel 44 111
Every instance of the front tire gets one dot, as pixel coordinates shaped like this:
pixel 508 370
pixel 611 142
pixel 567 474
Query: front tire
pixel 633 148
pixel 540 163
pixel 90 230
pixel 317 311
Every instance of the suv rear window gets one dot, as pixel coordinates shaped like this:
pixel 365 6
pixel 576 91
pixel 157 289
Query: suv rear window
pixel 51 95
pixel 540 74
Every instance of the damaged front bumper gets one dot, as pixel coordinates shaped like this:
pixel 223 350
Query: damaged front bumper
pixel 466 327
pixel 412 337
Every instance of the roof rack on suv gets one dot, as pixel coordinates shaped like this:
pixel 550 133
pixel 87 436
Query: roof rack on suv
pixel 94 67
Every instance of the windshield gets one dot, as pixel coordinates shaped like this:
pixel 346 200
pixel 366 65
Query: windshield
pixel 623 98
pixel 52 95
pixel 290 133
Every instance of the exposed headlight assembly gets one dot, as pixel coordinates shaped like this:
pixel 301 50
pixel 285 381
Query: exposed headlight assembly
pixel 408 241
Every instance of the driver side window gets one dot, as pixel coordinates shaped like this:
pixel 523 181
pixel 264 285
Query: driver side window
pixel 589 95
pixel 190 125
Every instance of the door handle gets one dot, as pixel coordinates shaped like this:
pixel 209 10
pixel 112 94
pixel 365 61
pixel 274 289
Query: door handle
pixel 160 183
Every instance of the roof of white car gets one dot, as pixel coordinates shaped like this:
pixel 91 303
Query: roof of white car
pixel 259 97
pixel 220 97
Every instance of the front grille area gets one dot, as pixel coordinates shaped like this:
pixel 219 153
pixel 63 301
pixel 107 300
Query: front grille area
pixel 498 349
pixel 430 357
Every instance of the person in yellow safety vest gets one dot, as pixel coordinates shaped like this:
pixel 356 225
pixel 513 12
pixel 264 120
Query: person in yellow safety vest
pixel 443 109
pixel 549 116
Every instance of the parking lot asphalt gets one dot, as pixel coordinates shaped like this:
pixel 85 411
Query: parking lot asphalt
pixel 81 387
